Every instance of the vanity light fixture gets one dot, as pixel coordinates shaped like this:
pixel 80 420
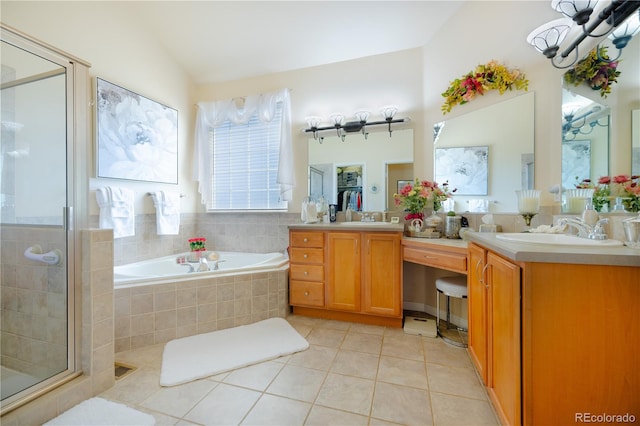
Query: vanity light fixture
pixel 360 123
pixel 621 36
pixel 550 37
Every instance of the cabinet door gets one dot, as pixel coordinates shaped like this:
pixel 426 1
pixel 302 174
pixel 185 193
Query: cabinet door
pixel 343 271
pixel 504 338
pixel 477 302
pixel 381 286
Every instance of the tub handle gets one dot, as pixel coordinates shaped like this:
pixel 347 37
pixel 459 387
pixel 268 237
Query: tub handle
pixel 53 257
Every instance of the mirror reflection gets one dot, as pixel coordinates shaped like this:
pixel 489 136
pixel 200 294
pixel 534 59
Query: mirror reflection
pixel 361 172
pixel 635 142
pixel 585 139
pixel 492 158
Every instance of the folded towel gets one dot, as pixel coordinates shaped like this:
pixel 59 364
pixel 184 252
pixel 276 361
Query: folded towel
pixel 548 229
pixel 167 212
pixel 116 211
pixel 478 206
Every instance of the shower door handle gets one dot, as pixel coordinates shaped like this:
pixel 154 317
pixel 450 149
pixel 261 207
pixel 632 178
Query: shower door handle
pixel 67 218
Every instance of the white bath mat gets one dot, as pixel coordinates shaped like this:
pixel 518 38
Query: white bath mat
pixel 98 411
pixel 204 355
pixel 420 326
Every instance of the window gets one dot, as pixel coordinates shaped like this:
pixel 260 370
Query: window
pixel 245 165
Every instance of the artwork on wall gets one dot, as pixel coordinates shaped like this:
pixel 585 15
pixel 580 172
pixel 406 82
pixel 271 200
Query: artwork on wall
pixel 465 168
pixel 402 184
pixel 576 162
pixel 137 138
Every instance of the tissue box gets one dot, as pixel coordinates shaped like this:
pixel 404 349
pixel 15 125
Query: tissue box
pixel 490 228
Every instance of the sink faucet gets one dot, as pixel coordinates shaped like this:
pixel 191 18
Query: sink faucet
pixel 595 232
pixel 367 217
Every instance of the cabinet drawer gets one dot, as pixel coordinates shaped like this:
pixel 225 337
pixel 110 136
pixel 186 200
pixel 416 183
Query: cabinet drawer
pixel 439 259
pixel 306 293
pixel 306 272
pixel 307 239
pixel 306 255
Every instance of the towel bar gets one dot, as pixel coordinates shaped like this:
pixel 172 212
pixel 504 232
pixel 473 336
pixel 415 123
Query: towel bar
pixel 181 195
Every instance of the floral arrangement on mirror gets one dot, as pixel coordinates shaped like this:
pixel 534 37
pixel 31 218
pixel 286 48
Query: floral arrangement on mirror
pixel 416 196
pixel 623 186
pixel 491 76
pixel 596 71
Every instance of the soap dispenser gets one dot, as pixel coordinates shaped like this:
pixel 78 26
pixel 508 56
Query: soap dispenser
pixel 589 215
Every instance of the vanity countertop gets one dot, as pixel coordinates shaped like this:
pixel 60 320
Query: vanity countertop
pixel 548 253
pixel 350 226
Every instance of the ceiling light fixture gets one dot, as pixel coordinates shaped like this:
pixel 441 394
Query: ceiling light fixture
pixel 550 37
pixel 342 128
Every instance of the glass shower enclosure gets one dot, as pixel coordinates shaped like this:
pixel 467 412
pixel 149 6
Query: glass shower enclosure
pixel 37 345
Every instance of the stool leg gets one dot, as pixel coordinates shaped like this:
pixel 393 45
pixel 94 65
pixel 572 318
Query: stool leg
pixel 448 312
pixel 438 311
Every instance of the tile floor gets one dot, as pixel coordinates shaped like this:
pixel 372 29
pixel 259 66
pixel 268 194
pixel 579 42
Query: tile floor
pixel 352 374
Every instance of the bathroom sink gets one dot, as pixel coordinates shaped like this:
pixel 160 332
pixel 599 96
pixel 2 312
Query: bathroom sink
pixel 556 239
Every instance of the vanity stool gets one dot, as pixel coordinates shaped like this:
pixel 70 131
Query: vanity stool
pixel 455 286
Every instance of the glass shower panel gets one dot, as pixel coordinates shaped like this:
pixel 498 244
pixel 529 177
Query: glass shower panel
pixel 33 202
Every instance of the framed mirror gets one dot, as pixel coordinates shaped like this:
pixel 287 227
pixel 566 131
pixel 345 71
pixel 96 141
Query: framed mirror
pixel 493 154
pixel 361 170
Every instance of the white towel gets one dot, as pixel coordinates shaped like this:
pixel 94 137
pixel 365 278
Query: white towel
pixel 116 211
pixel 478 206
pixel 167 212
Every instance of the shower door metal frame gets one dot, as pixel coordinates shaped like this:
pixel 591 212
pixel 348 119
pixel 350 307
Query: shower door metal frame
pixel 75 211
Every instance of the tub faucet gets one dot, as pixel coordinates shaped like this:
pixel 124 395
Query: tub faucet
pixel 191 269
pixel 204 265
pixel 595 232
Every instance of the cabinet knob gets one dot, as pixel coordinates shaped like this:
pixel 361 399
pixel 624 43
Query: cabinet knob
pixel 306 240
pixel 305 255
pixel 306 293
pixel 306 273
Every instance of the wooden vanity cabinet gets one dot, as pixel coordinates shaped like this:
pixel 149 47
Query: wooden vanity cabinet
pixel 362 278
pixel 306 268
pixel 553 341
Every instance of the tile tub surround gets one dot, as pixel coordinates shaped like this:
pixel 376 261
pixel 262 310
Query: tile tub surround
pixel 351 374
pixel 148 315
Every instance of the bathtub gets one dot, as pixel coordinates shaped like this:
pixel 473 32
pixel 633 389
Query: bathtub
pixel 158 300
pixel 167 270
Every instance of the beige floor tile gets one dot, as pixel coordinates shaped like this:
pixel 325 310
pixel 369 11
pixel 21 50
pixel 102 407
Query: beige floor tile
pixel 278 411
pixel 297 383
pixel 403 346
pixel 323 416
pixel 256 377
pixel 326 337
pixel 136 387
pixel 455 381
pixel 400 404
pixel 436 351
pixel 367 329
pixel 316 357
pixel 178 400
pixel 379 422
pixel 347 393
pixel 362 342
pixel 224 405
pixel 403 372
pixel 457 410
pixel 303 329
pixel 335 325
pixel 351 363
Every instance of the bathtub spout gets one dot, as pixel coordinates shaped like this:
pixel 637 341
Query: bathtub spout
pixel 204 265
pixel 191 268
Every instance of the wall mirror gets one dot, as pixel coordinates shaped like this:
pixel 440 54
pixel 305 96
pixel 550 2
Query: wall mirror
pixel 360 171
pixel 489 153
pixel 635 142
pixel 585 139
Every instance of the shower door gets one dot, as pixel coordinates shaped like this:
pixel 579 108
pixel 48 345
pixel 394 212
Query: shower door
pixel 36 254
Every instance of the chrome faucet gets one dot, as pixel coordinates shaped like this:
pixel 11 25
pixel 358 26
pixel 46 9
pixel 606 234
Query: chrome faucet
pixel 191 268
pixel 595 232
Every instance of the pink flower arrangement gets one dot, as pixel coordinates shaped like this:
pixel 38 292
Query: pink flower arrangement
pixel 415 196
pixel 625 186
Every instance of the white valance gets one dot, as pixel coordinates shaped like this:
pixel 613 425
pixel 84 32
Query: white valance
pixel 214 114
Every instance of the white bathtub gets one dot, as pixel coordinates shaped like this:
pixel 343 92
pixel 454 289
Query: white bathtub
pixel 166 269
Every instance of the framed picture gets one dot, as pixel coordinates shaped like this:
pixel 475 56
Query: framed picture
pixel 465 168
pixel 137 138
pixel 402 184
pixel 576 162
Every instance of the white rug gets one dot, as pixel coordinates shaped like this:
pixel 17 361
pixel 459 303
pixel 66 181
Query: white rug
pixel 98 411
pixel 204 355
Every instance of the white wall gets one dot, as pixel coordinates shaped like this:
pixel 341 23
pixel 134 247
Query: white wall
pixel 107 36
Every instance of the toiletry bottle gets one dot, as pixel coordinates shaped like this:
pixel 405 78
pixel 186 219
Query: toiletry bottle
pixel 348 214
pixel 589 215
